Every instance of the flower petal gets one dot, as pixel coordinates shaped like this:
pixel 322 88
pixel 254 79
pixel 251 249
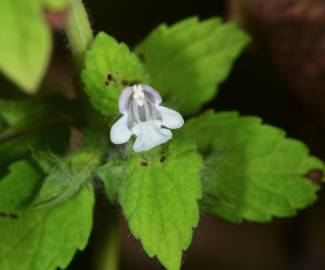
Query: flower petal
pixel 124 99
pixel 149 135
pixel 120 132
pixel 170 118
pixel 155 95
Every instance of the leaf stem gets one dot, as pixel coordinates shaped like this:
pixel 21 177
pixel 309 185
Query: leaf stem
pixel 80 35
pixel 106 236
pixel 78 31
pixel 109 259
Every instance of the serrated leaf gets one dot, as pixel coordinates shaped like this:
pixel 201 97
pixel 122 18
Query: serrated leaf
pixel 202 129
pixel 253 172
pixel 40 239
pixel 25 43
pixel 111 174
pixel 159 194
pixel 189 59
pixel 109 68
pixel 30 123
pixel 64 176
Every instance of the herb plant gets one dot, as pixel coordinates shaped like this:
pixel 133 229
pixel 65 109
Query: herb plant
pixel 56 154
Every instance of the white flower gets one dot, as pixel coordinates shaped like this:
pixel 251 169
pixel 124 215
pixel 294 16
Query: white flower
pixel 145 118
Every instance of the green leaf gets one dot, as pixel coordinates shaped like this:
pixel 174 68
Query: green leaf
pixel 109 68
pixel 31 122
pixel 56 5
pixel 25 43
pixel 202 129
pixel 189 59
pixel 112 176
pixel 159 194
pixel 40 239
pixel 64 176
pixel 252 172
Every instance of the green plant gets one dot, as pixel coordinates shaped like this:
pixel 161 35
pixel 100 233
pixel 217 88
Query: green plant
pixel 233 166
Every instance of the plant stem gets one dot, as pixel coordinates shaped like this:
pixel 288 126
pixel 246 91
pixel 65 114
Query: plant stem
pixel 80 35
pixel 108 258
pixel 78 31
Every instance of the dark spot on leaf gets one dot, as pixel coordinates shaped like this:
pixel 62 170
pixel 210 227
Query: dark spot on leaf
pixel 129 83
pixel 13 216
pixel 109 79
pixel 141 57
pixel 135 82
pixel 8 215
pixel 162 159
pixel 315 176
pixel 144 163
pixel 125 82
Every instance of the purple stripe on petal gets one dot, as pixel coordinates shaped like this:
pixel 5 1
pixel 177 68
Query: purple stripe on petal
pixel 124 99
pixel 154 93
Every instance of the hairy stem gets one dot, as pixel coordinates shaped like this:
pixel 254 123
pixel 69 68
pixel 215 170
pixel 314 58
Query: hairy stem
pixel 78 31
pixel 80 35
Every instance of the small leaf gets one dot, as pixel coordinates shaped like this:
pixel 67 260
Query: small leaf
pixel 112 176
pixel 159 196
pixel 25 43
pixel 64 176
pixel 109 68
pixel 40 239
pixel 189 59
pixel 252 172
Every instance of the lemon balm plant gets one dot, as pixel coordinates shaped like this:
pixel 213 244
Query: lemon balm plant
pixel 222 163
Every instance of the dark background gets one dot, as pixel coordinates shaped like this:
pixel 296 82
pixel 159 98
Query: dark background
pixel 279 77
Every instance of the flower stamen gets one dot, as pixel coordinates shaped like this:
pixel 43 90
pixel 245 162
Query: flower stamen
pixel 138 94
